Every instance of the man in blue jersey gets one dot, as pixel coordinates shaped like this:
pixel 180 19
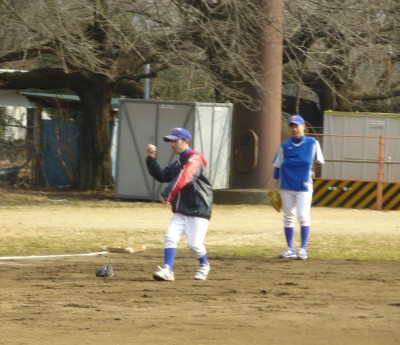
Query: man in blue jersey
pixel 293 172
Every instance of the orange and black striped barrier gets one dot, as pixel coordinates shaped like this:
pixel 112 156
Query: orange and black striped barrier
pixel 356 194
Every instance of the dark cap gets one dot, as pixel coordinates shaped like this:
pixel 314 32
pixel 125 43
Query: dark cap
pixel 178 133
pixel 296 119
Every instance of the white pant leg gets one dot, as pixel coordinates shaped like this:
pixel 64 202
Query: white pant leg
pixel 196 231
pixel 288 198
pixel 304 200
pixel 176 228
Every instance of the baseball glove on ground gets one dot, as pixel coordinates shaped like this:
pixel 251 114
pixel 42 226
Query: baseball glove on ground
pixel 105 271
pixel 275 199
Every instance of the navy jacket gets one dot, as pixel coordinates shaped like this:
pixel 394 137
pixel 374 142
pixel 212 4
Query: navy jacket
pixel 189 190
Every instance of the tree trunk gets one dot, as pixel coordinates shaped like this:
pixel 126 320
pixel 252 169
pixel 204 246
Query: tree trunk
pixel 94 142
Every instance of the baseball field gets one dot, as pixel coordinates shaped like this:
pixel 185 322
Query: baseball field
pixel 348 292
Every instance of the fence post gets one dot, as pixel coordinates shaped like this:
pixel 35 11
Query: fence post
pixel 36 159
pixel 380 173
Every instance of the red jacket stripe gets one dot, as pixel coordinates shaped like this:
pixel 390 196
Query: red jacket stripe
pixel 186 175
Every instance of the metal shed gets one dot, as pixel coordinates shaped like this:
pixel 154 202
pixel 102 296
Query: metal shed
pixel 142 122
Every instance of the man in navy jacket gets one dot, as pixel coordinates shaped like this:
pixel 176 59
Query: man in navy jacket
pixel 190 194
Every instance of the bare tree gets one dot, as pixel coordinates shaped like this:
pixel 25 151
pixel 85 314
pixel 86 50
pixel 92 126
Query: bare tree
pixel 98 48
pixel 75 45
pixel 346 51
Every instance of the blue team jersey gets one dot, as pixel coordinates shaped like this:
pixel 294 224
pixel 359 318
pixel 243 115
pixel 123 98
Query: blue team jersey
pixel 295 162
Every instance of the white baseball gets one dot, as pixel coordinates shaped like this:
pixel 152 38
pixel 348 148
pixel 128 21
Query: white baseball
pixel 151 148
pixel 129 250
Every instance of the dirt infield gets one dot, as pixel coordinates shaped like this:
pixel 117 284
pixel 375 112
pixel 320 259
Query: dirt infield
pixel 251 296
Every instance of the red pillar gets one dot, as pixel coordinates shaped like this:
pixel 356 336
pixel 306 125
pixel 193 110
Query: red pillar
pixel 257 134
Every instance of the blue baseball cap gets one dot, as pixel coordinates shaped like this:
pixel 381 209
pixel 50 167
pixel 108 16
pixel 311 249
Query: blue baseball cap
pixel 178 133
pixel 296 119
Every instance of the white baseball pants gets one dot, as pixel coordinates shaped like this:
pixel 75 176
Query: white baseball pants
pixel 296 202
pixel 194 228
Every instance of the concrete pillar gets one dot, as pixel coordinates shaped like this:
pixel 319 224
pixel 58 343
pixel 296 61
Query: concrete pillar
pixel 257 134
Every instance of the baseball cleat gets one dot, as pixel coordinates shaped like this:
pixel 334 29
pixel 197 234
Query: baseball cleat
pixel 302 254
pixel 202 272
pixel 164 274
pixel 288 253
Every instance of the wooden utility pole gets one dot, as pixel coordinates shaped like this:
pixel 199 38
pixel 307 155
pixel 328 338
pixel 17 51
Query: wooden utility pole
pixel 257 134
